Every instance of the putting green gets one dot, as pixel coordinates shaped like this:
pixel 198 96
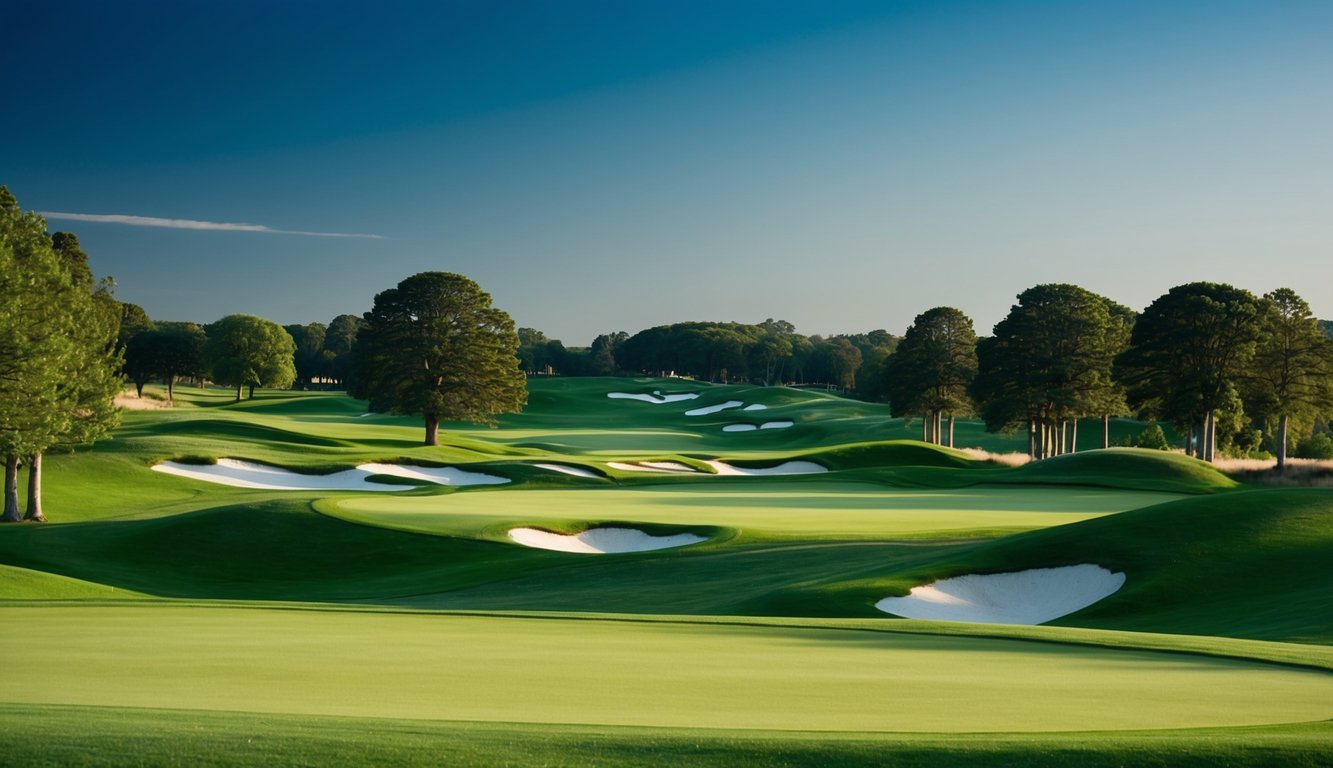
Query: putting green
pixel 768 509
pixel 616 672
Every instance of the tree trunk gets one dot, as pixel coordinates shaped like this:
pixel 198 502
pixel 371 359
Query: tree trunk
pixel 138 390
pixel 34 512
pixel 936 428
pixel 1036 439
pixel 1189 441
pixel 951 430
pixel 1073 437
pixel 238 393
pixel 1209 437
pixel 432 430
pixel 252 392
pixel 11 514
pixel 1064 436
pixel 1281 442
pixel 925 428
pixel 171 388
pixel 1106 430
pixel 1032 440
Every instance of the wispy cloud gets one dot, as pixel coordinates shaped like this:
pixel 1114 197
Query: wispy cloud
pixel 211 226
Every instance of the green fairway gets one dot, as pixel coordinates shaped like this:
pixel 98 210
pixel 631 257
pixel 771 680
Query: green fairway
pixel 410 618
pixel 760 508
pixel 628 673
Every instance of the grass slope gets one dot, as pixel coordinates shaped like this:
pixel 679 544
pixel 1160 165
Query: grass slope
pixel 1251 564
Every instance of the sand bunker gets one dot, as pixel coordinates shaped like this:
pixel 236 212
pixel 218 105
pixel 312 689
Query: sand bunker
pixel 601 541
pixel 651 466
pixel 1034 596
pixel 656 397
pixel 569 470
pixel 787 468
pixel 245 474
pixel 714 408
pixel 437 475
pixel 755 407
pixel 753 427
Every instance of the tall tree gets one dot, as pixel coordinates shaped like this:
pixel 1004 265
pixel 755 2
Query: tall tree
pixel 1050 363
pixel 35 287
pixel 59 366
pixel 931 370
pixel 141 359
pixel 173 351
pixel 338 341
pixel 249 351
pixel 1292 369
pixel 132 320
pixel 602 354
pixel 87 388
pixel 309 358
pixel 1189 350
pixel 435 346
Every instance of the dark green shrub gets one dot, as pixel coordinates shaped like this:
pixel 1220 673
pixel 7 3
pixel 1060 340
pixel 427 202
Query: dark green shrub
pixel 1152 437
pixel 1317 446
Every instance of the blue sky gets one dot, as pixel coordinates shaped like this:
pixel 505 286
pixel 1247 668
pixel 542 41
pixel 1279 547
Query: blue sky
pixel 604 166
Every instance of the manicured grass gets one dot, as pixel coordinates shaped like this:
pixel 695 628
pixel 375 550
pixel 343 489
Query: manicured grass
pixel 763 509
pixel 26 584
pixel 609 672
pixel 760 646
pixel 96 737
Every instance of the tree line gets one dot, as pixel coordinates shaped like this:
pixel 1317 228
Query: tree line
pixel 1224 367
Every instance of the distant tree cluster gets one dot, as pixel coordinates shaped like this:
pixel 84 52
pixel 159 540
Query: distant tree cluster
pixel 768 353
pixel 59 361
pixel 1221 365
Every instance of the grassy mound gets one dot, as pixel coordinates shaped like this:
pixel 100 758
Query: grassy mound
pixel 1125 468
pixel 891 453
pixel 1252 564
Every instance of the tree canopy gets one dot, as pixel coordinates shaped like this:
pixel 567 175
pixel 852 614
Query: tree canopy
pixel 435 346
pixel 248 351
pixel 1051 360
pixel 1291 373
pixel 930 371
pixel 59 362
pixel 1188 353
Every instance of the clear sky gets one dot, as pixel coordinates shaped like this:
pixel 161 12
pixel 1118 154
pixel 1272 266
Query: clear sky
pixel 602 166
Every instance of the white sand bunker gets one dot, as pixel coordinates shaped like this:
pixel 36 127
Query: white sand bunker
pixel 601 541
pixel 714 408
pixel 569 470
pixel 755 407
pixel 245 474
pixel 786 468
pixel 651 466
pixel 1034 596
pixel 656 397
pixel 753 427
